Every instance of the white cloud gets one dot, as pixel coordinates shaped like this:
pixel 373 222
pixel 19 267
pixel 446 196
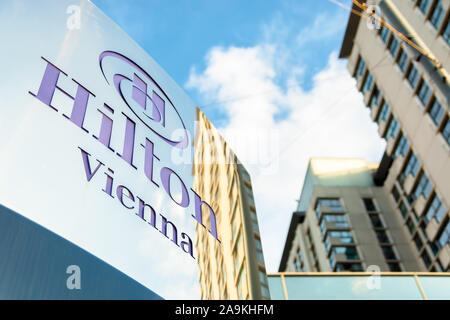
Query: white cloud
pixel 328 120
pixel 324 26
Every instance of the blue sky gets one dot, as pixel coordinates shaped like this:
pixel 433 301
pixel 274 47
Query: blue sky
pixel 267 74
pixel 178 33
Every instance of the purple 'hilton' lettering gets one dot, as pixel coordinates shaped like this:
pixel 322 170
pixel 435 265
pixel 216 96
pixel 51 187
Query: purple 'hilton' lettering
pixel 47 89
pixel 128 144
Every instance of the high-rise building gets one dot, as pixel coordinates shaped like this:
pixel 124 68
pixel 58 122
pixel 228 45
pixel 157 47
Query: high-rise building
pixel 408 96
pixel 233 268
pixel 344 222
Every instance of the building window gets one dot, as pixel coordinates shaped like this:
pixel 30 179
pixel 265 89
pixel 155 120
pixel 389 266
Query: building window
pixel 328 205
pixel 384 113
pixel 334 221
pixel 254 220
pixel 394 267
pixel 369 204
pixel 437 14
pixel 402 147
pixel 259 251
pixel 423 188
pixel 245 175
pixel 446 131
pixel 299 255
pixel 424 93
pixel 297 265
pixel 435 247
pixel 382 236
pixel 446 33
pixel 393 46
pixel 436 209
pixel 393 129
pixel 418 241
pixel 384 34
pixel 395 193
pixel 412 167
pixel 389 253
pixel 375 99
pixel 423 227
pixel 426 259
pixel 241 283
pixel 360 69
pixel 445 236
pixel 265 292
pixel 237 262
pixel 367 83
pixel 402 61
pixel 345 237
pixel 412 76
pixel 436 111
pixel 424 5
pixel 411 226
pixel 349 267
pixel 403 209
pixel 234 228
pixel 264 286
pixel 349 252
pixel 376 221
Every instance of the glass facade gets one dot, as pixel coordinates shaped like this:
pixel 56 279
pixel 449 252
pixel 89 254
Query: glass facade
pixel 359 286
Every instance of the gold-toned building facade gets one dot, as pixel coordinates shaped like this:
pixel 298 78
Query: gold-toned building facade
pixel 234 267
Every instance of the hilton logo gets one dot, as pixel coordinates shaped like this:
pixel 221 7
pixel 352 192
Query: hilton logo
pixel 147 102
pixel 145 105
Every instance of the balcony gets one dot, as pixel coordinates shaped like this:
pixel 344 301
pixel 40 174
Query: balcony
pixel 332 242
pixel 337 258
pixel 347 254
pixel 432 229
pixel 321 210
pixel 331 225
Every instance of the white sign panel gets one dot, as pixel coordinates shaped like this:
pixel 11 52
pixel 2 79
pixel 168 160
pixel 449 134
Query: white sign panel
pixel 96 142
